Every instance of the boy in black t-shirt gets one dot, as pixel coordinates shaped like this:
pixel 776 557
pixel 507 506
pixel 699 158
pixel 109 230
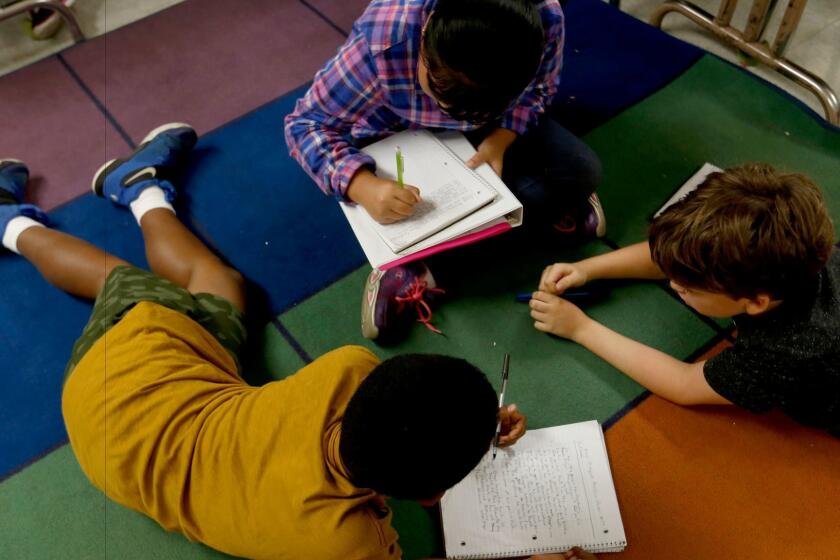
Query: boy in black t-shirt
pixel 750 243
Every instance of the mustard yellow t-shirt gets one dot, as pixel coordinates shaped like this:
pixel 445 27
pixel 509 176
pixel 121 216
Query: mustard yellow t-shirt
pixel 160 420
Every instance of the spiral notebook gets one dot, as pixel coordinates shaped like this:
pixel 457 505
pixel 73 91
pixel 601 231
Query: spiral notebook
pixel 551 491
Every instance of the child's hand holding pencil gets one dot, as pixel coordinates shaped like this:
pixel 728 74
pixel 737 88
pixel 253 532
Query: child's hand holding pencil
pixel 385 200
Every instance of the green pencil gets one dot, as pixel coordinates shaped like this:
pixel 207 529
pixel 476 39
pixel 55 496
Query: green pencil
pixel 400 167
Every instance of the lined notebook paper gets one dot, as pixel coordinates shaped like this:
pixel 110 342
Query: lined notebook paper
pixel 450 190
pixel 551 491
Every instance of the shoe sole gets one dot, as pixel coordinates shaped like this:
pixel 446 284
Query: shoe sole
pixel 162 128
pixel 12 160
pixel 601 230
pixel 98 181
pixel 369 329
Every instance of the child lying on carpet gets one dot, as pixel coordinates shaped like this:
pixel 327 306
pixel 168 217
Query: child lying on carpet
pixel 750 243
pixel 488 66
pixel 160 419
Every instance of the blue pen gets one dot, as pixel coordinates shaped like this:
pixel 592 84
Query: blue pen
pixel 572 294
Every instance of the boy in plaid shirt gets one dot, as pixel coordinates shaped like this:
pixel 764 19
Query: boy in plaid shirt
pixel 486 67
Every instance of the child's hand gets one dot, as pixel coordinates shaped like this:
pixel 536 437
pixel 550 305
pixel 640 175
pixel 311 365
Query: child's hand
pixel 559 277
pixel 492 150
pixel 556 315
pixel 576 553
pixel 385 200
pixel 513 425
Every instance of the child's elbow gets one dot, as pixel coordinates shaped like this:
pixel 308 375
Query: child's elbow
pixel 692 388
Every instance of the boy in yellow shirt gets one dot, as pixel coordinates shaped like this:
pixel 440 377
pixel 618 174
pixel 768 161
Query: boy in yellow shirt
pixel 160 419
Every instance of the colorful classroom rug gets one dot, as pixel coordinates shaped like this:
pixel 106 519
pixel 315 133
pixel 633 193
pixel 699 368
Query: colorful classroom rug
pixel 648 151
pixel 242 193
pixel 308 281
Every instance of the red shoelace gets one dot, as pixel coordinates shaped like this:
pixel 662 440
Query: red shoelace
pixel 415 295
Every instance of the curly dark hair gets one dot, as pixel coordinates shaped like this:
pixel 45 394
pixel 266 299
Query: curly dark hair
pixel 417 425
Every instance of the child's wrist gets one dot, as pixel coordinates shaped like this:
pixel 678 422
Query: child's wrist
pixel 584 271
pixel 582 330
pixel 359 186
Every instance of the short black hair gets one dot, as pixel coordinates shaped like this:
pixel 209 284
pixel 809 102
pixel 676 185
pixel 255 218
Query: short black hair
pixel 481 54
pixel 417 425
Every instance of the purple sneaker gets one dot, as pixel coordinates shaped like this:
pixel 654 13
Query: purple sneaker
pixel 585 223
pixel 389 296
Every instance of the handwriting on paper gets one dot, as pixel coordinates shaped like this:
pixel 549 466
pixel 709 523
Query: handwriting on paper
pixel 538 490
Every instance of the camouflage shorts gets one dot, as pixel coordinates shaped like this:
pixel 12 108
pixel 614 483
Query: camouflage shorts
pixel 127 286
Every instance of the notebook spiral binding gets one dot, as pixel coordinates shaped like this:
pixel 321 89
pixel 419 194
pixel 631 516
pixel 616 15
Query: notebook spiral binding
pixel 611 546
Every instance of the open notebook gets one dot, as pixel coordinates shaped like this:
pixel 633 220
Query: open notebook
pixel 550 491
pixel 460 205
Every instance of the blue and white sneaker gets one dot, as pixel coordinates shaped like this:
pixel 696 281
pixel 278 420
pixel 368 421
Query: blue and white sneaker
pixel 162 151
pixel 13 178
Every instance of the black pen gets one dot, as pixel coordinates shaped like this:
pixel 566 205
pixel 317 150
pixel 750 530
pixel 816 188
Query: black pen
pixel 505 369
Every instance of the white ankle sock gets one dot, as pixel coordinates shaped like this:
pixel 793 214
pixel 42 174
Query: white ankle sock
pixel 14 228
pixel 149 199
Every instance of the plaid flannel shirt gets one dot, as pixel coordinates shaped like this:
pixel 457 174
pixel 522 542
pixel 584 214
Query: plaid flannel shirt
pixel 370 89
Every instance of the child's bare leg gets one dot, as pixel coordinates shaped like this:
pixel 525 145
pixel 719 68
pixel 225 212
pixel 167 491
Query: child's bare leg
pixel 139 183
pixel 67 262
pixel 179 256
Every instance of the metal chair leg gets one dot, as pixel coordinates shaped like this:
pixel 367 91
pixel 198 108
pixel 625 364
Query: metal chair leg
pixel 56 5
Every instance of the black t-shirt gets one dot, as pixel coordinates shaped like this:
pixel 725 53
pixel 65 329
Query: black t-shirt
pixel 788 358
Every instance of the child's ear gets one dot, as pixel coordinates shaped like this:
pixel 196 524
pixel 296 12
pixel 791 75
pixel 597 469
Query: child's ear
pixel 758 304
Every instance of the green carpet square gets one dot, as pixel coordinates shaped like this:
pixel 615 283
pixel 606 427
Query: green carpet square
pixel 50 510
pixel 553 380
pixel 712 113
pixel 267 356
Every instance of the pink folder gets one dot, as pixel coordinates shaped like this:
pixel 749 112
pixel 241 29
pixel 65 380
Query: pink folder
pixel 451 244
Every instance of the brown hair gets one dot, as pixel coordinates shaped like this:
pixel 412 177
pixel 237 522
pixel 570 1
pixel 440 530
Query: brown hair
pixel 745 231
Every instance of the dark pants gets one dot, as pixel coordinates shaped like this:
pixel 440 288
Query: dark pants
pixel 550 170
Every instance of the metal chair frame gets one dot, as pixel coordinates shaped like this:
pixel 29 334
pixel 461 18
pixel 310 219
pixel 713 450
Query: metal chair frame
pixel 749 41
pixel 66 13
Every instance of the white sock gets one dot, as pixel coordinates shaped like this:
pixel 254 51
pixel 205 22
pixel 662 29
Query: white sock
pixel 14 228
pixel 149 199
